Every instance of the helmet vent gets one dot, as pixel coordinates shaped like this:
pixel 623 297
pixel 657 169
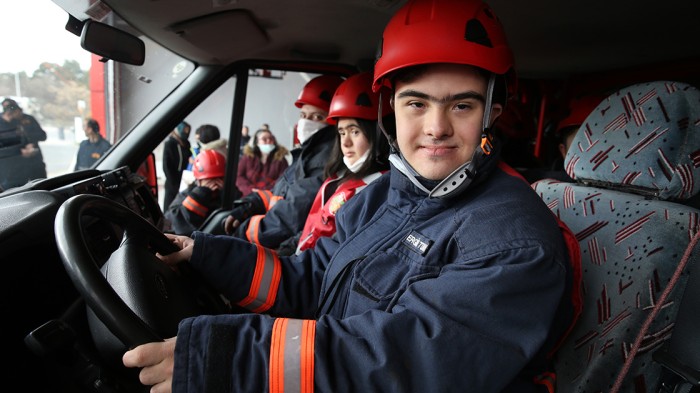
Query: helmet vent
pixel 363 100
pixel 476 33
pixel 326 96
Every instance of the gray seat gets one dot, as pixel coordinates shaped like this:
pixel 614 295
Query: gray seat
pixel 635 164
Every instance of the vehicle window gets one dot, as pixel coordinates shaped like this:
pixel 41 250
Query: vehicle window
pixel 269 103
pixel 50 86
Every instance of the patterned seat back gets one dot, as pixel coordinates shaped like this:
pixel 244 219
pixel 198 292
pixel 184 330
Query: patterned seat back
pixel 635 164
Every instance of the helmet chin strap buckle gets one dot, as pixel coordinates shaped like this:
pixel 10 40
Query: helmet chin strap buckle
pixel 486 143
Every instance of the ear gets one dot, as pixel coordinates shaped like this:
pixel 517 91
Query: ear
pixel 496 111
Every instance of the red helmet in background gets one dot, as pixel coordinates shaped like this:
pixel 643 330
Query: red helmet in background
pixel 579 109
pixel 355 99
pixel 319 91
pixel 209 164
pixel 443 31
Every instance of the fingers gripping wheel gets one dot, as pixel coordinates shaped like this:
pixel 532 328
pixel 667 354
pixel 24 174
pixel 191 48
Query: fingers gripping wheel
pixel 134 298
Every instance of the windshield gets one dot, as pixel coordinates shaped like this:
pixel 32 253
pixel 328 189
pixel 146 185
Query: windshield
pixel 57 96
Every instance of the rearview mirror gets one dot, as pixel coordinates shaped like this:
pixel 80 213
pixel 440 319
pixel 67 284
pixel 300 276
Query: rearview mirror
pixel 112 43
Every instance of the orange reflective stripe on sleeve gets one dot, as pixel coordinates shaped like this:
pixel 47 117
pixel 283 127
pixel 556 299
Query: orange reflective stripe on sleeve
pixel 195 207
pixel 266 281
pixel 253 227
pixel 265 196
pixel 273 200
pixel 292 356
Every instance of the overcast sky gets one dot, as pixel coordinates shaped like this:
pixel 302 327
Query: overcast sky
pixel 32 32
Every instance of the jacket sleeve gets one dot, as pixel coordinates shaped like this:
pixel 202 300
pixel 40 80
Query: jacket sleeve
pixel 189 210
pixel 288 215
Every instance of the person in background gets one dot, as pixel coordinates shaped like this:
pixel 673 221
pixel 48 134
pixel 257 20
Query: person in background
pixel 176 156
pixel 93 147
pixel 360 156
pixel 262 163
pixel 577 111
pixel 449 274
pixel 35 168
pixel 245 139
pixel 12 160
pixel 269 217
pixel 206 136
pixel 191 207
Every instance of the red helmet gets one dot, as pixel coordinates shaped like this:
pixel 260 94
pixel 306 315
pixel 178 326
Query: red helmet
pixel 354 98
pixel 319 91
pixel 443 31
pixel 579 109
pixel 209 164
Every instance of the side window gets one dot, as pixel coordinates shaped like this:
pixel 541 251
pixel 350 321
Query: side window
pixel 211 117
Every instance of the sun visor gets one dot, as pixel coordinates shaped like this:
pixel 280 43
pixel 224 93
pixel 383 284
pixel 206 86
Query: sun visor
pixel 231 33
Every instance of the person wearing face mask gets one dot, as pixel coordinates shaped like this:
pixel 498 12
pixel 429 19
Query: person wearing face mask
pixel 261 164
pixel 360 156
pixel 269 217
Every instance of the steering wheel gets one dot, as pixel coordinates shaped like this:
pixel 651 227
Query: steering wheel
pixel 134 295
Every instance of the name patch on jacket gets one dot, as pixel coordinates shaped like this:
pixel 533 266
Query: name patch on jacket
pixel 417 242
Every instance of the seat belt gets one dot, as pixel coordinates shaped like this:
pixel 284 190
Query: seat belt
pixel 683 353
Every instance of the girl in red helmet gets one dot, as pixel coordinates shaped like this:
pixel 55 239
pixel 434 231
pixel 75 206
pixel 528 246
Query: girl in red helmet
pixel 446 275
pixel 359 157
pixel 192 206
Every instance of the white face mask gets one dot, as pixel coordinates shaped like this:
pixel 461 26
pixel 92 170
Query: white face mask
pixel 267 148
pixel 354 167
pixel 306 128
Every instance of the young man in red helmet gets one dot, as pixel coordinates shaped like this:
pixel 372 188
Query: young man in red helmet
pixel 192 206
pixel 269 217
pixel 446 274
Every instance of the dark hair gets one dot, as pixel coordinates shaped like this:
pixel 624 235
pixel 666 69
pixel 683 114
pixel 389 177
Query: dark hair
pixel 377 159
pixel 94 125
pixel 208 133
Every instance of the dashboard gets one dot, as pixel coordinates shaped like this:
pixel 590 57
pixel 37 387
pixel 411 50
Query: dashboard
pixel 27 213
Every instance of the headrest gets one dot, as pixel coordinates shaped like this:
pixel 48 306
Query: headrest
pixel 643 139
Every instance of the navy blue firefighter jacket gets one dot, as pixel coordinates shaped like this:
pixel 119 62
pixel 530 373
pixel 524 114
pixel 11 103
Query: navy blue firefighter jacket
pixel 412 294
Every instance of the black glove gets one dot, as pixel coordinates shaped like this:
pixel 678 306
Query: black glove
pixel 237 217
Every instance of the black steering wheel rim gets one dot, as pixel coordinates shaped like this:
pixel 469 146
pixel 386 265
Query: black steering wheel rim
pixel 141 240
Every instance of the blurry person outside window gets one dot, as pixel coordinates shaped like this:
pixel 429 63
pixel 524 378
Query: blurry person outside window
pixel 360 156
pixel 92 148
pixel 176 158
pixel 206 136
pixel 191 207
pixel 449 274
pixel 262 163
pixel 269 217
pixel 245 139
pixel 28 125
pixel 12 160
